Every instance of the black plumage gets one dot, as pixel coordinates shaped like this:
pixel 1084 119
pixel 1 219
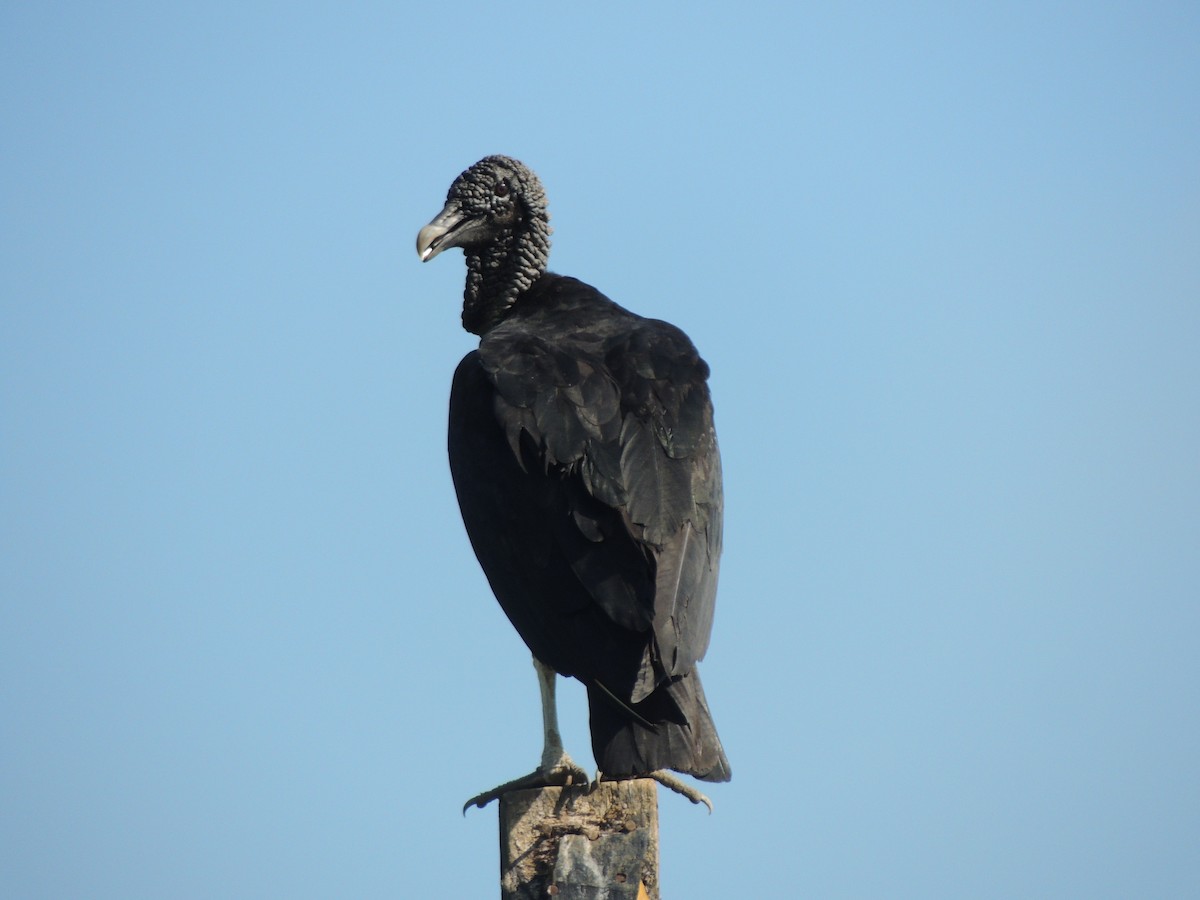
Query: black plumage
pixel 585 461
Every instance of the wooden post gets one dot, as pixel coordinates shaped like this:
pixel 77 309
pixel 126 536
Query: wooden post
pixel 565 843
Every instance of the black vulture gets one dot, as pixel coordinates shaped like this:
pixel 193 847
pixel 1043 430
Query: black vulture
pixel 585 461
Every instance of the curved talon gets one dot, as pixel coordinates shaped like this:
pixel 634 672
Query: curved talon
pixel 667 780
pixel 564 774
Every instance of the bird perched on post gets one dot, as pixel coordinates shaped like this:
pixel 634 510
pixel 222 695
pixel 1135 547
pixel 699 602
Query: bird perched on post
pixel 585 461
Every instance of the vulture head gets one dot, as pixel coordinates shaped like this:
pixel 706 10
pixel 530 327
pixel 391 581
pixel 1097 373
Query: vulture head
pixel 496 212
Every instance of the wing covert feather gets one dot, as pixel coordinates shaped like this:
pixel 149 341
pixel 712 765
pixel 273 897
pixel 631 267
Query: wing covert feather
pixel 621 426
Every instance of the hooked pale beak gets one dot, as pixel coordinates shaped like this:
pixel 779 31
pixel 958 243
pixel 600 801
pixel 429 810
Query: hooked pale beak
pixel 452 227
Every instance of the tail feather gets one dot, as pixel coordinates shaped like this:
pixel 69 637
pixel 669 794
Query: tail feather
pixel 680 735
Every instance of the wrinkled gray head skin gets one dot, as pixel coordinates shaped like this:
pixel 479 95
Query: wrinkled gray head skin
pixel 496 212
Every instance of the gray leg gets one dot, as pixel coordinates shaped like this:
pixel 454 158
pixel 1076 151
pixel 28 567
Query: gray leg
pixel 557 768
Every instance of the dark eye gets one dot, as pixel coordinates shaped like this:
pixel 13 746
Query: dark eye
pixel 501 189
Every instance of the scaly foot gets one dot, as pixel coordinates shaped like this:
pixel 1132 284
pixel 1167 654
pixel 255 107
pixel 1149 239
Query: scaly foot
pixel 666 779
pixel 562 772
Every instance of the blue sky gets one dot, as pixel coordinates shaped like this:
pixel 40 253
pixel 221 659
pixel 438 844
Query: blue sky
pixel 943 263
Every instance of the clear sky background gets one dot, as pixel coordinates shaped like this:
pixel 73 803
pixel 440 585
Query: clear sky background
pixel 944 261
